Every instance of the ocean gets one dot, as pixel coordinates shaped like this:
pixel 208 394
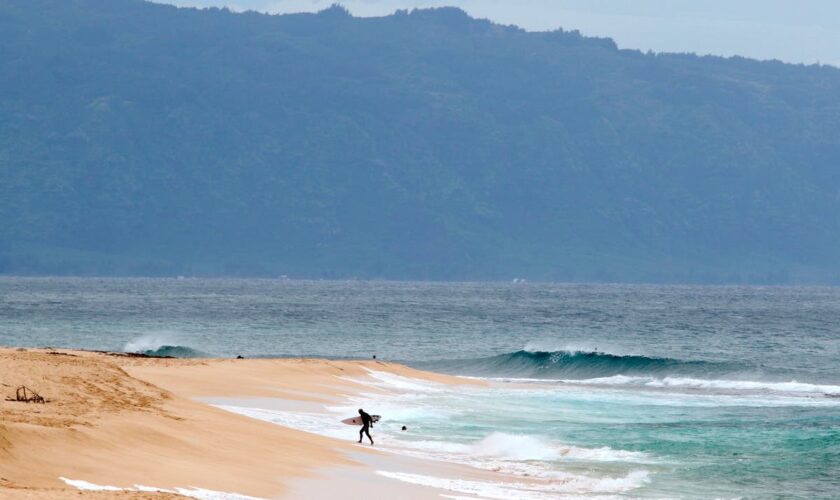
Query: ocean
pixel 595 390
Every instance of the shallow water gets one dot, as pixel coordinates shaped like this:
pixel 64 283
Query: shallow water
pixel 648 391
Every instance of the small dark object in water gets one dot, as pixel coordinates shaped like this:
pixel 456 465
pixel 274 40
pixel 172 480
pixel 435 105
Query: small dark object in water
pixel 404 428
pixel 32 396
pixel 240 357
pixel 374 356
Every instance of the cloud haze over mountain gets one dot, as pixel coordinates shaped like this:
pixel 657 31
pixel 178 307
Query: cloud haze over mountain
pixel 792 31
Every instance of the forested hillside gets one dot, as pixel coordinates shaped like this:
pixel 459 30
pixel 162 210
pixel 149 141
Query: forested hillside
pixel 142 139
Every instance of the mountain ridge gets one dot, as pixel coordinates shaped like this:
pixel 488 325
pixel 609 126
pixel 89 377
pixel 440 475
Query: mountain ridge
pixel 144 139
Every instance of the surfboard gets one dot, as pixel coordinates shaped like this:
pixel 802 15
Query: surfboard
pixel 358 420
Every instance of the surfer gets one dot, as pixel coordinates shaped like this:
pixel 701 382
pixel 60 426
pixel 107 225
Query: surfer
pixel 367 422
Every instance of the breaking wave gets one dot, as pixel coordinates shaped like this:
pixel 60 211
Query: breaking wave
pixel 580 365
pixel 161 346
pixel 599 368
pixel 174 351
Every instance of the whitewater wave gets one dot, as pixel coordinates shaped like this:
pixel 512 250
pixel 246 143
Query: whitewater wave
pixel 520 455
pixel 529 461
pixel 483 489
pixel 519 447
pixel 733 385
pixel 393 381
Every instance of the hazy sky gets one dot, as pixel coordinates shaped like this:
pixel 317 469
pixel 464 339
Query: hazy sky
pixel 791 30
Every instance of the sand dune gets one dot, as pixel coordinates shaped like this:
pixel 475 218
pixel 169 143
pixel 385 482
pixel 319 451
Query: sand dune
pixel 120 421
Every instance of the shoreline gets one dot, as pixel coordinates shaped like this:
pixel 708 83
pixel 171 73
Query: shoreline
pixel 123 421
pixel 117 426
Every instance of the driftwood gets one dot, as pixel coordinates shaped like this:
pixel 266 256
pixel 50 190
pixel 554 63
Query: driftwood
pixel 24 394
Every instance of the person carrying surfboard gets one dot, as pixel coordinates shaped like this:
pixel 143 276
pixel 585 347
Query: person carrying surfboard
pixel 367 423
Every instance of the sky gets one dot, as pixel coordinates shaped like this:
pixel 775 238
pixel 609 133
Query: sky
pixel 798 31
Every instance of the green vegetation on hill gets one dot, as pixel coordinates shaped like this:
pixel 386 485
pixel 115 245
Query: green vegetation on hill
pixel 142 139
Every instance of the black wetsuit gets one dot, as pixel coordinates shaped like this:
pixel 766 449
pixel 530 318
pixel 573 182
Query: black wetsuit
pixel 367 421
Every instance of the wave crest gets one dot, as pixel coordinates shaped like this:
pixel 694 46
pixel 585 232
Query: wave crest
pixel 581 365
pixel 600 368
pixel 161 346
pixel 173 351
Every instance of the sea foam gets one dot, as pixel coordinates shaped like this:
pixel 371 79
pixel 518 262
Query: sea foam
pixel 697 383
pixel 192 492
pixel 573 484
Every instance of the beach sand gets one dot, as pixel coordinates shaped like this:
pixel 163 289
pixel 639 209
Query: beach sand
pixel 125 421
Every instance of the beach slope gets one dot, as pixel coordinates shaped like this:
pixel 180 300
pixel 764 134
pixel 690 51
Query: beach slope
pixel 124 421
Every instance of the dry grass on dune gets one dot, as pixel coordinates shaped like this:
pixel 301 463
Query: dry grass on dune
pixel 80 388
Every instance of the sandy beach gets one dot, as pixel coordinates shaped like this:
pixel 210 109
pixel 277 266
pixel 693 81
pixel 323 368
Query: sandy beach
pixel 134 423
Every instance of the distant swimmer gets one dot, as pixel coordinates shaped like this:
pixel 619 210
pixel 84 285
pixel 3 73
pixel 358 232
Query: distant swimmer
pixel 367 423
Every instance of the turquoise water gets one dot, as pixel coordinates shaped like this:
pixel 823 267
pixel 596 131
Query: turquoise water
pixel 596 390
pixel 687 445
